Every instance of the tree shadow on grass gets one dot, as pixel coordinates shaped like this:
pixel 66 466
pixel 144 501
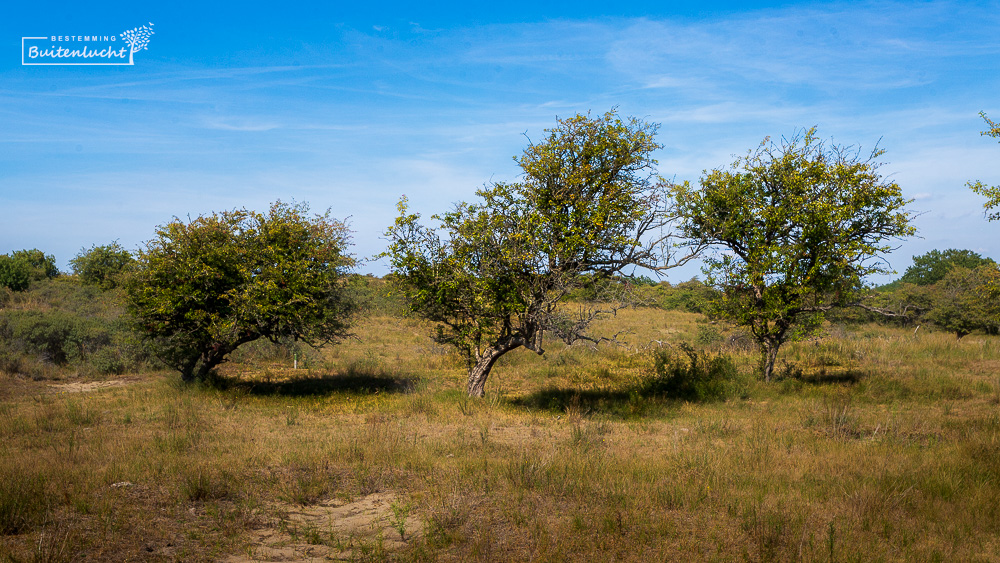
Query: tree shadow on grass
pixel 618 403
pixel 823 377
pixel 350 381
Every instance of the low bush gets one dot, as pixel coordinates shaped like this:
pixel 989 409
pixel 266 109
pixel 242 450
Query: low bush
pixel 60 322
pixel 102 265
pixel 55 336
pixel 692 296
pixel 692 375
pixel 15 275
pixel 707 335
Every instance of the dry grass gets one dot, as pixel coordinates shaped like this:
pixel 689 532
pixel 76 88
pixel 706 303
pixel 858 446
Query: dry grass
pixel 884 446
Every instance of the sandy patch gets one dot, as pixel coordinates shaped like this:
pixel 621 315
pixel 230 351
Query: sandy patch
pixel 89 386
pixel 334 530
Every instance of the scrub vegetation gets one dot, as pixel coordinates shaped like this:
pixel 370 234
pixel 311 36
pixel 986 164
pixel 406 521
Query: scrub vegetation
pixel 326 415
pixel 871 442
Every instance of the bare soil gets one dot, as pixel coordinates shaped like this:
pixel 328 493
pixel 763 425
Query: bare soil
pixel 333 530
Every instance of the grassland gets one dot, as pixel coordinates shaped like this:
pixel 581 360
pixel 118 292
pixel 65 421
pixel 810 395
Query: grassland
pixel 877 444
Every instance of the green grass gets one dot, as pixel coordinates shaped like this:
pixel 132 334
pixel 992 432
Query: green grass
pixel 883 446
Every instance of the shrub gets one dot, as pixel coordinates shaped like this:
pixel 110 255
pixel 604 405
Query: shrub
pixel 42 265
pixel 108 361
pixel 56 336
pixel 691 375
pixel 63 322
pixel 102 265
pixel 14 274
pixel 707 335
pixel 10 360
pixel 202 289
pixel 692 296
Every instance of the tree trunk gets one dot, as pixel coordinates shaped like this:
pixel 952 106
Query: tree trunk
pixel 187 370
pixel 484 364
pixel 770 355
pixel 211 358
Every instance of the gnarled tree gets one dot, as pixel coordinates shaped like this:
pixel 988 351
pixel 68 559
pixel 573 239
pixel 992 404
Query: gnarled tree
pixel 495 274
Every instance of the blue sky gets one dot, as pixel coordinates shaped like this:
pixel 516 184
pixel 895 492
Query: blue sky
pixel 350 106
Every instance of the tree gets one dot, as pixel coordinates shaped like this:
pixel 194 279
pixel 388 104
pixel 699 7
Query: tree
pixel 932 267
pixel 14 274
pixel 43 266
pixel 960 302
pixel 798 226
pixel 495 274
pixel 19 268
pixel 992 193
pixel 203 288
pixel 102 265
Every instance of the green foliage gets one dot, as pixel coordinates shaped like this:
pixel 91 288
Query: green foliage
pixel 14 274
pixel 201 289
pixel 798 226
pixel 961 301
pixel 19 268
pixel 691 375
pixel 991 193
pixel 375 296
pixel 43 266
pixel 61 322
pixel 964 299
pixel 692 296
pixel 707 335
pixel 932 267
pixel 56 336
pixel 494 273
pixel 102 265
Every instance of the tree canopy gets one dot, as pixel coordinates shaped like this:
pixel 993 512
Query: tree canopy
pixel 932 267
pixel 203 288
pixel 495 273
pixel 992 193
pixel 15 274
pixel 961 302
pixel 19 268
pixel 797 226
pixel 102 265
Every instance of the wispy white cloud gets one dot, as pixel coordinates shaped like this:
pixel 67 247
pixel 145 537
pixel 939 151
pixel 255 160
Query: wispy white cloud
pixel 241 125
pixel 392 108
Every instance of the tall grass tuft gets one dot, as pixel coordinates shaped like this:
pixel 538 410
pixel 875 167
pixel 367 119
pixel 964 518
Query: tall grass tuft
pixel 24 501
